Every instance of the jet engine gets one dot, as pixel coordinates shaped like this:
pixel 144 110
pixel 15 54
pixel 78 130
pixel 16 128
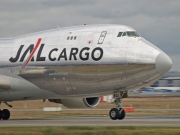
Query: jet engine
pixel 77 102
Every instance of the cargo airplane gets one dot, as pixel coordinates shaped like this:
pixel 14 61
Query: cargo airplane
pixel 74 66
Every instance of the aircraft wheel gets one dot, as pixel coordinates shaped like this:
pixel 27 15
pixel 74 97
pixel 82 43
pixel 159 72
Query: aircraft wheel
pixel 122 114
pixel 114 113
pixel 5 114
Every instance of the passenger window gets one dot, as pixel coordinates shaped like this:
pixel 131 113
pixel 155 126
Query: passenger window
pixel 119 34
pixel 75 38
pixel 124 34
pixel 67 38
pixel 71 37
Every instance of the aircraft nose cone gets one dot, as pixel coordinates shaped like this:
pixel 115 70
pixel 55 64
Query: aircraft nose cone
pixel 163 63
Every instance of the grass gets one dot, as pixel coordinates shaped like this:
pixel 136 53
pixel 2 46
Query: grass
pixel 137 103
pixel 128 130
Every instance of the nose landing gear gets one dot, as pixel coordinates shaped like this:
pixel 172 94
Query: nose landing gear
pixel 118 112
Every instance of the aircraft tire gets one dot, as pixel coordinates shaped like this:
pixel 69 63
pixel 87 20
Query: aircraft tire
pixel 114 113
pixel 122 114
pixel 5 114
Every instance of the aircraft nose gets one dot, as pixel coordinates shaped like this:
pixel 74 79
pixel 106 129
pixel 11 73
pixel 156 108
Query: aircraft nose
pixel 163 63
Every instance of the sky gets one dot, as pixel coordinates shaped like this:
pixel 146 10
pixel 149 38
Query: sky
pixel 157 21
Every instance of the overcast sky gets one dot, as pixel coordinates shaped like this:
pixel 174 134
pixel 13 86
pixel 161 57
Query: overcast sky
pixel 157 21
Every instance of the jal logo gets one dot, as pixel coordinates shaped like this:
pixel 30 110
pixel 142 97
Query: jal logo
pixel 74 54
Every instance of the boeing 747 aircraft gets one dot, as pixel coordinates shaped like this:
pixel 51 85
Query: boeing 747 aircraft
pixel 74 66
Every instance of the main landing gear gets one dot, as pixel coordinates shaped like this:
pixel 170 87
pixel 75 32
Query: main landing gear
pixel 118 112
pixel 5 113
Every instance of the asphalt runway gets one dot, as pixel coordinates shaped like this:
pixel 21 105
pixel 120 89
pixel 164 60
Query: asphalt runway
pixel 163 120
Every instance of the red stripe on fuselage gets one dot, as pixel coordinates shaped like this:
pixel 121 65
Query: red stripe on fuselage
pixel 32 53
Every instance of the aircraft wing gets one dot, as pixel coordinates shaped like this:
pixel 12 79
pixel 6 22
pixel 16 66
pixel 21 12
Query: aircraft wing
pixel 12 84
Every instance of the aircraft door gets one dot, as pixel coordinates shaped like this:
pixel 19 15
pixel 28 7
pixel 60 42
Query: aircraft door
pixel 102 37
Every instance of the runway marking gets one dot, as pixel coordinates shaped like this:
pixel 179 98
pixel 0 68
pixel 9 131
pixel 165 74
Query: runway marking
pixel 172 121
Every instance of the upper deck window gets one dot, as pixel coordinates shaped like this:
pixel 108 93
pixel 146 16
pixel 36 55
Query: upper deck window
pixel 132 34
pixel 119 34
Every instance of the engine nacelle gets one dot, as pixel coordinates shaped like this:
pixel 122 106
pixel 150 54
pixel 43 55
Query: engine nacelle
pixel 77 102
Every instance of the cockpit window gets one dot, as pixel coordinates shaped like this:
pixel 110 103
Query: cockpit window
pixel 119 34
pixel 124 34
pixel 128 33
pixel 132 34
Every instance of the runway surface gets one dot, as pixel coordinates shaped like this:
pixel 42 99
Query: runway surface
pixel 164 120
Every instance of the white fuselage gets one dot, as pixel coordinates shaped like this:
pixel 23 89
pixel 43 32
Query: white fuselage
pixel 83 61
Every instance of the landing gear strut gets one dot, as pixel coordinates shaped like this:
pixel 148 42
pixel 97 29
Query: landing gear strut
pixel 118 112
pixel 5 113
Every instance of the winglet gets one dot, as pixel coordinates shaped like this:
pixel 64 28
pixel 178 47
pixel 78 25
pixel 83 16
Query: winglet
pixel 23 66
